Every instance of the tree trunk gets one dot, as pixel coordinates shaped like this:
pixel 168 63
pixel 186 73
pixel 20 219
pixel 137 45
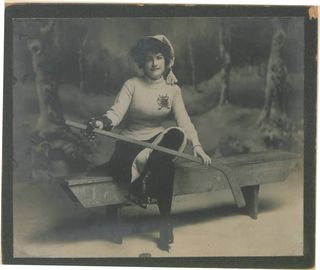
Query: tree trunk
pixel 276 78
pixel 42 48
pixel 56 149
pixel 191 57
pixel 83 64
pixel 224 47
pixel 278 131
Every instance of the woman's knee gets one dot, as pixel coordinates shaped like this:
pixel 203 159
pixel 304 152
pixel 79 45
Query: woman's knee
pixel 173 139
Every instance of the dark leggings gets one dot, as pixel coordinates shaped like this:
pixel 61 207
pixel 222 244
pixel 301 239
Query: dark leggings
pixel 160 166
pixel 161 182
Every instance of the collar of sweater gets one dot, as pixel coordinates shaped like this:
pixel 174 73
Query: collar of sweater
pixel 153 83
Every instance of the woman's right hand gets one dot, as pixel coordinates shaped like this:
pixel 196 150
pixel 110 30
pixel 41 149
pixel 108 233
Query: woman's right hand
pixel 92 123
pixel 102 122
pixel 99 124
pixel 88 132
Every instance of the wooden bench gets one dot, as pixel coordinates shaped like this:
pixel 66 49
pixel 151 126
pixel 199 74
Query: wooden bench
pixel 251 170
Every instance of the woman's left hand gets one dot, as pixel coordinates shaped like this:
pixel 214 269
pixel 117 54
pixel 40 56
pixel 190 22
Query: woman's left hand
pixel 198 152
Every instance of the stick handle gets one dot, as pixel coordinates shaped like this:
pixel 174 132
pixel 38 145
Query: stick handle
pixel 130 140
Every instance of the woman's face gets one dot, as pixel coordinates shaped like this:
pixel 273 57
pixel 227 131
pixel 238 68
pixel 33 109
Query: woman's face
pixel 154 65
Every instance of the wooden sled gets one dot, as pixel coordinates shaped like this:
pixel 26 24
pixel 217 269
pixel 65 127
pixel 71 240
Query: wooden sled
pixel 251 170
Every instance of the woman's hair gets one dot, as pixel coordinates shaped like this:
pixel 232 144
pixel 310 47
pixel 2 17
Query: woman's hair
pixel 144 46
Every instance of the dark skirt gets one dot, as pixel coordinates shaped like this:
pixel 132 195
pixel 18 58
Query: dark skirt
pixel 120 164
pixel 161 164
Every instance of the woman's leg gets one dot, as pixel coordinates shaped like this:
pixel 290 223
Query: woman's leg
pixel 160 186
pixel 160 183
pixel 161 167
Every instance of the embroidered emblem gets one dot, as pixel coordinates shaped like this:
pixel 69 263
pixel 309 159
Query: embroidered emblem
pixel 163 102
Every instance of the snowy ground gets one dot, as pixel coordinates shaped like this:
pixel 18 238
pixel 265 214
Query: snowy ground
pixel 48 224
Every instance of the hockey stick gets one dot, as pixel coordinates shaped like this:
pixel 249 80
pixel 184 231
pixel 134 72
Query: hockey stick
pixel 228 172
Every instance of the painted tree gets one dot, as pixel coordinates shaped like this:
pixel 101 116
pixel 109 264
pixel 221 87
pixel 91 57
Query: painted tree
pixel 273 122
pixel 190 39
pixel 225 31
pixel 93 62
pixel 83 63
pixel 56 150
pixel 192 64
pixel 276 78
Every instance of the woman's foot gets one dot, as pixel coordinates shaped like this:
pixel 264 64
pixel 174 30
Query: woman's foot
pixel 138 190
pixel 166 236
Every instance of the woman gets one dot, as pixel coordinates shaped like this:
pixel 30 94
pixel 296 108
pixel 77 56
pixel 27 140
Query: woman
pixel 146 101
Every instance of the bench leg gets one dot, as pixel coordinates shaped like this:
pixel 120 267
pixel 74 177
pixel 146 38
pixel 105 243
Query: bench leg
pixel 113 219
pixel 250 194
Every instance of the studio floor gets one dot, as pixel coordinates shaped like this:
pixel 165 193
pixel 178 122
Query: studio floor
pixel 48 224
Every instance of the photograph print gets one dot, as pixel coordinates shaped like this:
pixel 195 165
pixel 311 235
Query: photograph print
pixel 158 136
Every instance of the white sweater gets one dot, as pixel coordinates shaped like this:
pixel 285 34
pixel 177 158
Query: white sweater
pixel 147 103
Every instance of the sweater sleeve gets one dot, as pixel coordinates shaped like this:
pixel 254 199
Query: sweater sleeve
pixel 121 104
pixel 182 118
